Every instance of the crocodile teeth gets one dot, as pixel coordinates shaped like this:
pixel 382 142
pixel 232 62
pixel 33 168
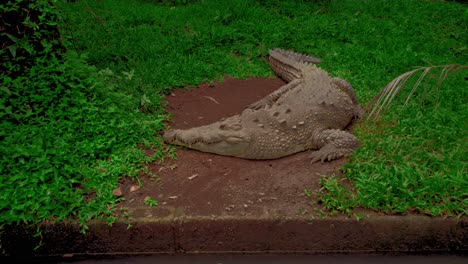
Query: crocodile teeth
pixel 234 140
pixel 230 127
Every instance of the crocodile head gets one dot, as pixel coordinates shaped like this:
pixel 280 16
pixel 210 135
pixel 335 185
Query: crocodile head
pixel 222 139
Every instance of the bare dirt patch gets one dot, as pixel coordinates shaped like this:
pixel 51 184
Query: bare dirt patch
pixel 204 184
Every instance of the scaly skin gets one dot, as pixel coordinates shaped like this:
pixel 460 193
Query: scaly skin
pixel 310 112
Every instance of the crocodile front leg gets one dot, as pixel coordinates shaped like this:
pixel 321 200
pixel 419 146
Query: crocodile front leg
pixel 334 144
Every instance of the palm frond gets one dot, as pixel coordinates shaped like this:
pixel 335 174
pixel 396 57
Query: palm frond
pixel 381 102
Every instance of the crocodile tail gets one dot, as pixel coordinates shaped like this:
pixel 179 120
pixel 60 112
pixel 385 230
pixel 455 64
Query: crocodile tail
pixel 289 64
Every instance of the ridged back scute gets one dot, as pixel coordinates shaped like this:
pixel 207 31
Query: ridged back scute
pixel 296 56
pixel 289 65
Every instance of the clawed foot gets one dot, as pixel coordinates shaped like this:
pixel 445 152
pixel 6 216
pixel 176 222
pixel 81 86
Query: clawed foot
pixel 327 153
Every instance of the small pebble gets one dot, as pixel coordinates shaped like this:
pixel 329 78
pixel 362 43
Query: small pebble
pixel 117 192
pixel 193 176
pixel 134 188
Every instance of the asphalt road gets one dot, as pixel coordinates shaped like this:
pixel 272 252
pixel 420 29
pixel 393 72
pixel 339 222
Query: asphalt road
pixel 271 259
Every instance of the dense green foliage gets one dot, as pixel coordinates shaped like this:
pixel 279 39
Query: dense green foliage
pixel 29 31
pixel 70 130
pixel 66 133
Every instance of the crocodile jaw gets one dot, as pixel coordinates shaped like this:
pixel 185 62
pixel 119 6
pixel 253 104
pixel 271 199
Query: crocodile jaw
pixel 228 143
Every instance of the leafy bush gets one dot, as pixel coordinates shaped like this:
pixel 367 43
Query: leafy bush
pixel 30 31
pixel 66 133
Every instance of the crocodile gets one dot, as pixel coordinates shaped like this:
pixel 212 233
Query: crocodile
pixel 310 112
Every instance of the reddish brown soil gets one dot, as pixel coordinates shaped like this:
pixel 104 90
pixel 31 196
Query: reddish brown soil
pixel 258 206
pixel 203 184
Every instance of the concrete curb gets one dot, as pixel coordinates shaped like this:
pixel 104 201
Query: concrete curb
pixel 376 234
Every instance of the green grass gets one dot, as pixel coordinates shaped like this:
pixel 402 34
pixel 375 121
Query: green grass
pixel 416 162
pixel 413 159
pixel 67 134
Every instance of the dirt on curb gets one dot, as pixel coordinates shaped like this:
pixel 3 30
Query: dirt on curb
pixel 204 184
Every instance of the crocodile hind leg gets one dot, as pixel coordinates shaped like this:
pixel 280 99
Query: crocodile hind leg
pixel 346 87
pixel 334 144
